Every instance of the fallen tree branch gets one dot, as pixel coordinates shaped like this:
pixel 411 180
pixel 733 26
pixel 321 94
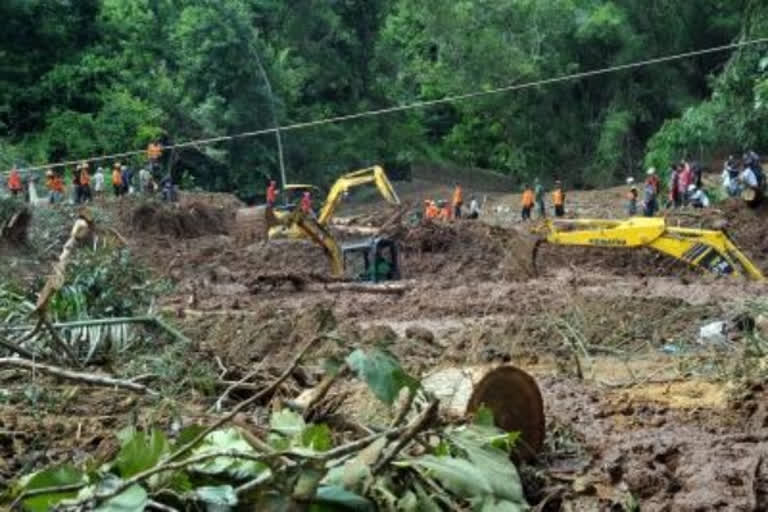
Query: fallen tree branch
pixel 322 389
pixel 88 378
pixel 234 386
pixel 44 490
pixel 375 288
pixel 421 422
pixel 16 349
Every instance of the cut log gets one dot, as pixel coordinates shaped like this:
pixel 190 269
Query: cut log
pixel 377 288
pixel 510 393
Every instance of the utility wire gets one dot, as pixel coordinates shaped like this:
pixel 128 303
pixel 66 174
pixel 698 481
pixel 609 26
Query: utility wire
pixel 423 104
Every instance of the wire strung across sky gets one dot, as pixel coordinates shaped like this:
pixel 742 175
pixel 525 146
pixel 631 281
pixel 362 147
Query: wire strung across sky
pixel 420 104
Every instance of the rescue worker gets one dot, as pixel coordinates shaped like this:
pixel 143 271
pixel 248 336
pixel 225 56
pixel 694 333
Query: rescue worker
pixel 117 180
pixel 168 189
pixel 14 182
pixel 458 200
pixel 632 197
pixel 697 197
pixel 85 183
pixel 558 199
pixel 306 203
pixel 539 193
pixel 445 211
pixel 432 212
pixel 127 178
pixel 77 191
pixel 527 203
pixel 271 194
pixel 55 186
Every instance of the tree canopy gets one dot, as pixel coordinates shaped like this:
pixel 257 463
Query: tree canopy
pixel 93 77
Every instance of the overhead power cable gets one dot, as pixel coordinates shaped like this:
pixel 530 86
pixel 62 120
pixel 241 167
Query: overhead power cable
pixel 422 104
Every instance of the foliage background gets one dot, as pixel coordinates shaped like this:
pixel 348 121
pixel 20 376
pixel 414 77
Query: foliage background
pixel 94 77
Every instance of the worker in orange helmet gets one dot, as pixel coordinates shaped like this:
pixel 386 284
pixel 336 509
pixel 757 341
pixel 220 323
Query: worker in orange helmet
pixel 527 202
pixel 14 182
pixel 306 203
pixel 271 194
pixel 458 200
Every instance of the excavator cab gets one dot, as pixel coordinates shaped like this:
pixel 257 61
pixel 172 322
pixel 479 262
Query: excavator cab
pixel 372 260
pixel 292 196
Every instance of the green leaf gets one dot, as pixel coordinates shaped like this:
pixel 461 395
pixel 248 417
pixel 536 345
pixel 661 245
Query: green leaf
pixel 140 452
pixel 381 372
pixel 457 475
pixel 306 485
pixel 55 477
pixel 343 499
pixel 317 438
pixel 219 495
pixel 287 422
pixel 491 505
pixel 228 440
pixel 408 503
pixel 426 502
pixel 133 499
pixel 187 434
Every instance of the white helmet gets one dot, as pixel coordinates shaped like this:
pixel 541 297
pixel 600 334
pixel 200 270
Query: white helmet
pixel 651 171
pixel 691 187
pixel 630 180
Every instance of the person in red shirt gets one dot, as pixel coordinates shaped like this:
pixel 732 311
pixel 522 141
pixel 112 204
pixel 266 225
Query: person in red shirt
pixel 306 203
pixel 271 194
pixel 14 182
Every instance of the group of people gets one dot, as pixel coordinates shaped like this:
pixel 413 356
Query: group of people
pixel 684 190
pixel 533 197
pixel 450 210
pixel 739 176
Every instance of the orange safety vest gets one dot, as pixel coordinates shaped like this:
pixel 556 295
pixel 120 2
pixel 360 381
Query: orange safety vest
pixel 14 180
pixel 528 199
pixel 558 197
pixel 85 178
pixel 458 196
pixel 117 178
pixel 445 213
pixel 306 204
pixel 57 184
pixel 432 211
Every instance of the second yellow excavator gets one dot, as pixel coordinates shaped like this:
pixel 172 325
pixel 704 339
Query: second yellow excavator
pixel 710 250
pixel 340 188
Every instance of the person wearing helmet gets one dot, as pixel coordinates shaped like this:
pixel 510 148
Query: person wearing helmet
pixel 697 197
pixel 632 197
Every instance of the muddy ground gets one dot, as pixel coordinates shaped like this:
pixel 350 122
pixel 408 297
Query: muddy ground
pixel 638 411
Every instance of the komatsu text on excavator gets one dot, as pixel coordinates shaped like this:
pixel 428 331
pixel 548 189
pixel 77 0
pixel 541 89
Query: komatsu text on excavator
pixel 710 250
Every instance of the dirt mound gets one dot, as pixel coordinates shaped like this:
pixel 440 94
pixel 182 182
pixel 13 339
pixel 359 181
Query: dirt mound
pixel 191 221
pixel 473 250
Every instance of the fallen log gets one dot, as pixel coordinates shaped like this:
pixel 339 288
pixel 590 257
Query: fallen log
pixel 88 378
pixel 375 288
pixel 510 393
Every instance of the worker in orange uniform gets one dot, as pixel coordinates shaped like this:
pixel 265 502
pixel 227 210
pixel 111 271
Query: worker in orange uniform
pixel 55 187
pixel 271 194
pixel 432 211
pixel 306 203
pixel 117 180
pixel 458 200
pixel 14 182
pixel 445 211
pixel 85 183
pixel 527 202
pixel 558 199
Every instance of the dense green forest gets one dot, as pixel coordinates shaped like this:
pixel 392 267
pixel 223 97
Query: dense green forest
pixel 91 77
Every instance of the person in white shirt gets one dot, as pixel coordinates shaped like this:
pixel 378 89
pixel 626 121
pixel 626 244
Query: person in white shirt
pixel 748 177
pixel 697 197
pixel 98 182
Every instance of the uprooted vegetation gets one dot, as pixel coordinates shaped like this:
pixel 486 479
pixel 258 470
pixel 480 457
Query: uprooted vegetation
pixel 171 337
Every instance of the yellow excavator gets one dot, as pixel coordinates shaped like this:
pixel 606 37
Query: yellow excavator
pixel 371 260
pixel 713 251
pixel 339 190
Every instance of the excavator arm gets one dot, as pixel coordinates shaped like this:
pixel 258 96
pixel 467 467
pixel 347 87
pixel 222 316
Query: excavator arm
pixel 314 231
pixel 711 250
pixel 373 174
